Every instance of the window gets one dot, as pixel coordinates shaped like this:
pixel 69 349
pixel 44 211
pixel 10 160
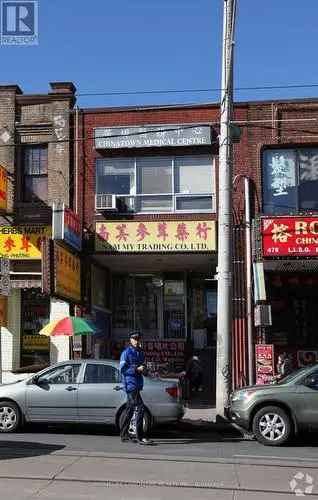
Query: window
pixel 290 181
pixel 115 177
pixel 65 374
pixel 101 374
pixel 35 188
pixel 159 184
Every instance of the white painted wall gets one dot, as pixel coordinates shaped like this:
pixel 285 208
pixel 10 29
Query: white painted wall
pixel 59 346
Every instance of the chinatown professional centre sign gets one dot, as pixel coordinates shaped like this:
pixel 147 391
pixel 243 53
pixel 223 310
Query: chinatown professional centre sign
pixel 159 236
pixel 290 236
pixel 153 136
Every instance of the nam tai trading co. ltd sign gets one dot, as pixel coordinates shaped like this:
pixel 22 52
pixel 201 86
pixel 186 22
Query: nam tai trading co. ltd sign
pixel 290 236
pixel 159 236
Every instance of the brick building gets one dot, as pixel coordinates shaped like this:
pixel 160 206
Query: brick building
pixel 135 177
pixel 281 158
pixel 35 150
pixel 144 182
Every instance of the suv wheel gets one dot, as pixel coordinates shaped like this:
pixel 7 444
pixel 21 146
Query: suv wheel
pixel 272 426
pixel 10 417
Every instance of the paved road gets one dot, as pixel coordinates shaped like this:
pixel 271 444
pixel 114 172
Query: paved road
pixel 193 442
pixel 188 462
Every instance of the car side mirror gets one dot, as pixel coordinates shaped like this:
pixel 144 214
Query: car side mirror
pixel 40 381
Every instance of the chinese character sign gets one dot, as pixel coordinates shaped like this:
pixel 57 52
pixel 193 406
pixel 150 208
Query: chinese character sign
pixel 281 170
pixel 22 242
pixel 67 226
pixel 264 357
pixel 72 229
pixel 159 236
pixel 290 236
pixel 3 189
pixel 67 274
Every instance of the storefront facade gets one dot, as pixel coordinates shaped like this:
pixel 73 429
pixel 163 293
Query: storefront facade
pixel 151 199
pixel 286 237
pixel 37 163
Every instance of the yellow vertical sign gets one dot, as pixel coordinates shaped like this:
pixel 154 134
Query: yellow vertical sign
pixel 67 274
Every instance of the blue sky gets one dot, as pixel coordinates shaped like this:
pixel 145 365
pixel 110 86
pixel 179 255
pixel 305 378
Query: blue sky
pixel 126 45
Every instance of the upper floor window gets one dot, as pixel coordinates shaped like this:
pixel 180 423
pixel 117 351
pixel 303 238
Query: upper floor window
pixel 290 180
pixel 35 174
pixel 158 184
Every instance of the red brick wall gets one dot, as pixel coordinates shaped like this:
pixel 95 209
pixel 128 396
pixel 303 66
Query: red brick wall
pixel 109 118
pixel 263 124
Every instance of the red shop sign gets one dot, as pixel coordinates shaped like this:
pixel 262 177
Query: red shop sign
pixel 264 357
pixel 290 236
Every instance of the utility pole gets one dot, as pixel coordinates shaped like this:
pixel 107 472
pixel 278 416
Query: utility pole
pixel 249 303
pixel 225 237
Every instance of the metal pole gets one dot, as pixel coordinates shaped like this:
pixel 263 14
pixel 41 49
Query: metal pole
pixel 249 305
pixel 224 273
pixel 76 159
pixel 0 353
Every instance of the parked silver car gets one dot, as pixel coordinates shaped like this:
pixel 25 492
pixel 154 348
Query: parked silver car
pixel 84 391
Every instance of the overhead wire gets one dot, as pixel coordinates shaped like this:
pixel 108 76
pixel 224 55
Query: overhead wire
pixel 195 90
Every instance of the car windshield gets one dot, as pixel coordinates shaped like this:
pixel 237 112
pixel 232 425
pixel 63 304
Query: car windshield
pixel 294 375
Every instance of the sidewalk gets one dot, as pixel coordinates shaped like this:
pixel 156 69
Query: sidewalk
pixel 76 474
pixel 200 413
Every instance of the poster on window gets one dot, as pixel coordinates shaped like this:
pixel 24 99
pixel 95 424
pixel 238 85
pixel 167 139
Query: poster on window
pixel 264 358
pixel 162 356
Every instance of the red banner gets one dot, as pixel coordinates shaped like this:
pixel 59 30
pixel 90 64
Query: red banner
pixel 290 236
pixel 264 357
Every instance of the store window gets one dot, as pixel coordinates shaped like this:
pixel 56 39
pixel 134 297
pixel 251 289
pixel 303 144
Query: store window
pixel 158 184
pixel 35 173
pixel 174 309
pixel 154 306
pixel 290 180
pixel 35 313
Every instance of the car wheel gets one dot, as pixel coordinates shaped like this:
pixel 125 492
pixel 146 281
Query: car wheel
pixel 272 426
pixel 10 417
pixel 147 424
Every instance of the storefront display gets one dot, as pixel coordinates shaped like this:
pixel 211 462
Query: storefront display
pixel 35 313
pixel 164 358
pixel 293 298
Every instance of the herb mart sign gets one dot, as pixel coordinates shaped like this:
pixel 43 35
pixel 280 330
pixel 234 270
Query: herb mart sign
pixel 156 136
pixel 159 236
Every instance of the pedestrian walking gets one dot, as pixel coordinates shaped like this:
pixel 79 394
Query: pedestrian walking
pixel 132 367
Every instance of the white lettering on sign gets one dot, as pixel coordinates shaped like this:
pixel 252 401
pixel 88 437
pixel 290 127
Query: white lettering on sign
pixel 282 174
pixel 308 167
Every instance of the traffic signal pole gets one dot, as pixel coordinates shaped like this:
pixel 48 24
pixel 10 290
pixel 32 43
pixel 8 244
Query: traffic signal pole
pixel 225 237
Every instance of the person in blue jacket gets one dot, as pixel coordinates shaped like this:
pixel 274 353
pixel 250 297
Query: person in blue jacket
pixel 132 368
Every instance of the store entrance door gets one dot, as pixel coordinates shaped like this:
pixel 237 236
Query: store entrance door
pixel 155 306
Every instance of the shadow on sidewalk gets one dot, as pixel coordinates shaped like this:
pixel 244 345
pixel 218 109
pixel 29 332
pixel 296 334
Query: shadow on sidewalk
pixel 187 433
pixel 25 449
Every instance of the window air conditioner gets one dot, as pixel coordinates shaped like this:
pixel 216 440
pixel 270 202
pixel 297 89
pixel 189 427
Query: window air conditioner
pixel 106 202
